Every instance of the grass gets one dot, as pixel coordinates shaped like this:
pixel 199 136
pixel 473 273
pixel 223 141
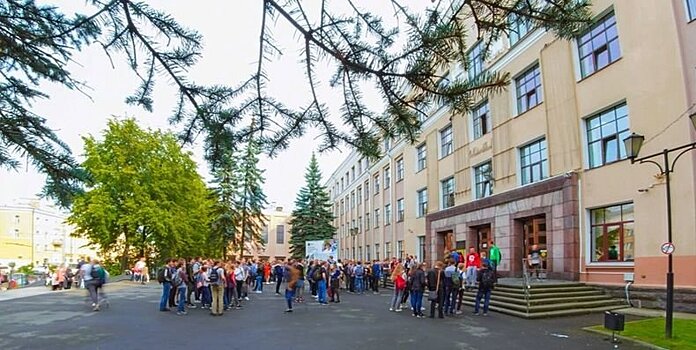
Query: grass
pixel 652 331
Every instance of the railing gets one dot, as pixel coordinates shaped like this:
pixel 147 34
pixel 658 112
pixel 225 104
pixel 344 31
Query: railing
pixel 526 284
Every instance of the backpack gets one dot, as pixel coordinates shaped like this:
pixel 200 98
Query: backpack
pixel 98 274
pixel 488 278
pixel 161 274
pixel 176 279
pixel 456 279
pixel 359 270
pixel 214 277
pixel 316 274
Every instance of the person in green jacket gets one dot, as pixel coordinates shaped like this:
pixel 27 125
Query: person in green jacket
pixel 495 255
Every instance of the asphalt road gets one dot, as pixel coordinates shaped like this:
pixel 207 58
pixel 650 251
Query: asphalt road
pixel 64 321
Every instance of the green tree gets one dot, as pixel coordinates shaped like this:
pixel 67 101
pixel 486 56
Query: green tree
pixel 312 218
pixel 252 200
pixel 226 196
pixel 39 41
pixel 144 196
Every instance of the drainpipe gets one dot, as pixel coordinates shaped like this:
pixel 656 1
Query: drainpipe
pixel 628 296
pixel 581 222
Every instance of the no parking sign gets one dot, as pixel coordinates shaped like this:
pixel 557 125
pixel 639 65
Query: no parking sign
pixel 667 248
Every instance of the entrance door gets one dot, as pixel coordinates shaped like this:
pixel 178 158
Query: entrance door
pixel 483 234
pixel 535 234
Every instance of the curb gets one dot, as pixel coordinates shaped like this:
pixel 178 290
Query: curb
pixel 624 338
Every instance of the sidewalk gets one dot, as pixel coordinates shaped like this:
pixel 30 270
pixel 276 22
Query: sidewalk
pixel 643 312
pixel 26 292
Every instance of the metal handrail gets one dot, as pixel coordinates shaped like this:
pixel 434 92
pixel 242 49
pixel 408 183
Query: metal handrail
pixel 526 284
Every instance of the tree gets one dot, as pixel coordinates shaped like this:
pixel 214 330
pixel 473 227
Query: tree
pixel 225 209
pixel 312 217
pixel 38 41
pixel 144 196
pixel 252 199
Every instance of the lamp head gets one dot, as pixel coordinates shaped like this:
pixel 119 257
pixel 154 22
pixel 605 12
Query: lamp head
pixel 633 143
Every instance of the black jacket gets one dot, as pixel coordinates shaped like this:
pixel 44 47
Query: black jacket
pixel 432 280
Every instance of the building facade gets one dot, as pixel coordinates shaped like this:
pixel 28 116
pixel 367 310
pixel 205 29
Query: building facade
pixel 33 232
pixel 276 233
pixel 543 163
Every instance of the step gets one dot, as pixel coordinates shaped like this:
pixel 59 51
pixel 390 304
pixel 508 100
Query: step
pixel 555 313
pixel 522 307
pixel 538 301
pixel 535 296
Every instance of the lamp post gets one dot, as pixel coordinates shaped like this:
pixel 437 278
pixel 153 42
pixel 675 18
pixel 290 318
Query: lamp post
pixel 633 143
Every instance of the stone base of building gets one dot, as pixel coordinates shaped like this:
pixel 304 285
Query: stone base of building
pixel 654 298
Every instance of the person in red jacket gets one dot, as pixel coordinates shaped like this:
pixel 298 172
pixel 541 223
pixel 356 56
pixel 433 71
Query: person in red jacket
pixel 473 263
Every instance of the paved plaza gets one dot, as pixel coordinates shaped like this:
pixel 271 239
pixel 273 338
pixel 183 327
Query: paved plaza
pixel 63 320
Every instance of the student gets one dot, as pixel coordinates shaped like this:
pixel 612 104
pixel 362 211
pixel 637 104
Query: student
pixel 179 282
pixel 436 289
pixel 290 289
pixel 473 263
pixel 217 283
pixel 334 282
pixel 163 277
pixel 417 286
pixel 486 279
pixel 399 279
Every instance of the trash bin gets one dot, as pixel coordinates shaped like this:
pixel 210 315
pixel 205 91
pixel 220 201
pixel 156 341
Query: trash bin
pixel 613 321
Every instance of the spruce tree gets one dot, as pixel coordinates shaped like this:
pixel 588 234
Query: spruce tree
pixel 251 200
pixel 224 212
pixel 312 217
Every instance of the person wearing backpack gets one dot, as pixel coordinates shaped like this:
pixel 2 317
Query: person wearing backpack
pixel 164 278
pixel 178 282
pixel 359 272
pixel 376 275
pixel 451 289
pixel 217 282
pixel 486 279
pixel 94 276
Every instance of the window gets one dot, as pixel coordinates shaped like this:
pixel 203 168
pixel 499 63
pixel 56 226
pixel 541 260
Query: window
pixel 421 157
pixel 519 27
pixel 376 217
pixel 400 210
pixel 400 249
pixel 360 164
pixel 367 189
pixel 280 234
pixel 387 214
pixel 447 192
pixel 343 185
pixel 605 134
pixel 599 46
pixel 528 89
pixel 358 193
pixel 612 233
pixel 352 199
pixel 367 221
pixel 387 177
pixel 691 9
pixel 387 249
pixel 422 202
pixel 264 234
pixel 377 251
pixel 446 141
pixel 483 177
pixel 376 181
pixel 342 209
pixel 533 162
pixel 387 144
pixel 16 219
pixel 400 169
pixel 475 57
pixel 421 248
pixel 481 120
pixel 352 173
pixel 367 252
pixel 347 204
pixel 15 233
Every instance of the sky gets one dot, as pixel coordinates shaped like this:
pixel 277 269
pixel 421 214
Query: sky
pixel 230 31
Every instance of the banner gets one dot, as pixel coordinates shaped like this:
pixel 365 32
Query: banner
pixel 321 249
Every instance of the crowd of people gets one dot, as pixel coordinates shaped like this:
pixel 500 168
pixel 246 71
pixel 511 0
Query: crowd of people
pixel 219 286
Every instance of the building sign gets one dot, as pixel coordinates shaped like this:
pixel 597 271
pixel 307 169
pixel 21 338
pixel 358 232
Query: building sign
pixel 321 249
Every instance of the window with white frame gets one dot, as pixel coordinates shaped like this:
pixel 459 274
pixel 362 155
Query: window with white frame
pixel 599 46
pixel 352 173
pixel 447 186
pixel 533 162
pixel 377 251
pixel 483 180
pixel 400 210
pixel 400 249
pixel 387 144
pixel 605 134
pixel 387 249
pixel 347 204
pixel 481 120
pixel 376 182
pixel 475 56
pixel 422 202
pixel 446 147
pixel 519 27
pixel 280 234
pixel 367 252
pixel 387 177
pixel 352 199
pixel 376 217
pixel 528 88
pixel 400 169
pixel 387 214
pixel 611 231
pixel 264 234
pixel 691 9
pixel 358 193
pixel 421 160
pixel 367 189
pixel 360 223
pixel 367 221
pixel 360 166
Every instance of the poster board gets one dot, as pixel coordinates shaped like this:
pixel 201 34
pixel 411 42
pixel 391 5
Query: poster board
pixel 321 249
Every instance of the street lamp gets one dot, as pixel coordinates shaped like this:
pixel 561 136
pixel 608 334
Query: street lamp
pixel 633 143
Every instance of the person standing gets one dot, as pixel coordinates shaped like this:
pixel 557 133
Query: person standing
pixel 164 277
pixel 376 275
pixel 486 279
pixel 495 257
pixel 451 289
pixel 399 278
pixel 278 272
pixel 321 284
pixel 179 282
pixel 256 270
pixel 217 283
pixel 473 263
pixel 293 274
pixel 334 284
pixel 535 260
pixel 239 278
pixel 299 285
pixel 417 287
pixel 436 290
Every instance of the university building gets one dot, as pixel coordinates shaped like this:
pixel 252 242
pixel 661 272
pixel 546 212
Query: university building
pixel 276 233
pixel 544 163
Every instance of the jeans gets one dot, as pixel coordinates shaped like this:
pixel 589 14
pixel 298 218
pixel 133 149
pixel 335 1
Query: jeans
pixel 279 280
pixel 207 298
pixel 375 284
pixel 259 283
pixel 396 299
pixel 359 284
pixel 93 288
pixel 299 289
pixel 240 289
pixel 166 287
pixel 486 294
pixel 450 298
pixel 217 299
pixel 289 295
pixel 228 297
pixel 438 302
pixel 321 291
pixel 416 301
pixel 471 276
pixel 182 298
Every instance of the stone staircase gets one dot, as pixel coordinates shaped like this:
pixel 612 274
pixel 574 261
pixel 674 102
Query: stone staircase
pixel 547 299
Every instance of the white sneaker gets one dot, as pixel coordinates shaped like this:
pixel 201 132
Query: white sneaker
pixel 246 298
pixel 398 310
pixel 258 292
pixel 391 309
